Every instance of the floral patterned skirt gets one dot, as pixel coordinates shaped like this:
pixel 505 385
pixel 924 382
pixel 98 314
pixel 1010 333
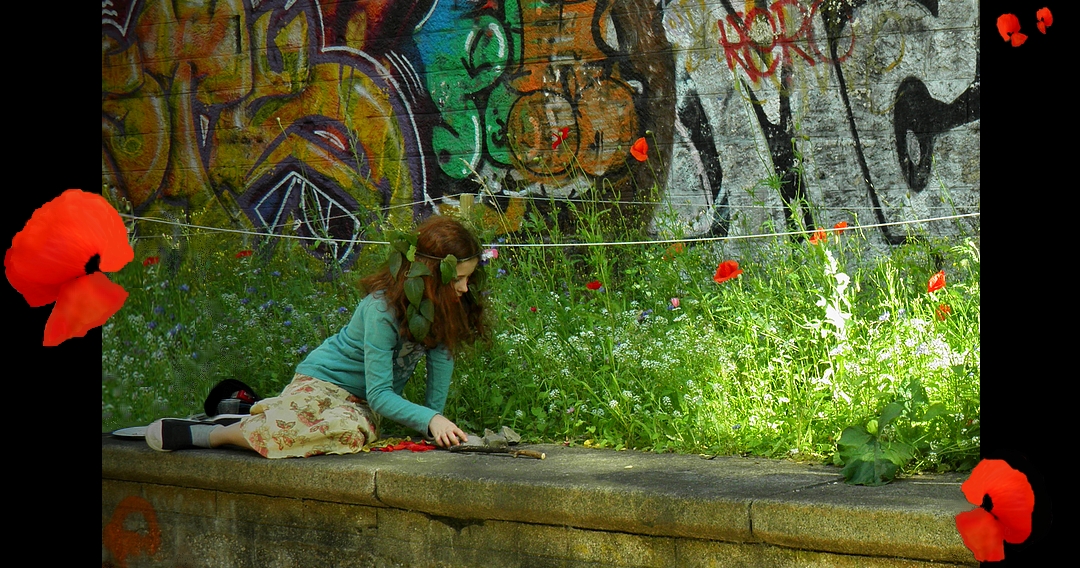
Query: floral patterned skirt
pixel 309 418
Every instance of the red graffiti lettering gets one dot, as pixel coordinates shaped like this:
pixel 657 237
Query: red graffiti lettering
pixel 124 543
pixel 767 38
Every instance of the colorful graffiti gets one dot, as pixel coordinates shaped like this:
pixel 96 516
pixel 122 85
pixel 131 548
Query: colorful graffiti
pixel 123 542
pixel 311 117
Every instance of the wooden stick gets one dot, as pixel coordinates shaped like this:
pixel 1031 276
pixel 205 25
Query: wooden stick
pixel 495 450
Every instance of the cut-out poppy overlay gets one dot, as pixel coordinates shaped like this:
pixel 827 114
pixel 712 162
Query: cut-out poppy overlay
pixel 61 256
pixel 1008 26
pixel 1004 503
pixel 1045 19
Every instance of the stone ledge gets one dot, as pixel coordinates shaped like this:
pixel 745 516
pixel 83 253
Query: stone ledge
pixel 575 501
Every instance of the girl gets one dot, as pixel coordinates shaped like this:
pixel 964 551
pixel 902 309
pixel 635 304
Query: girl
pixel 344 387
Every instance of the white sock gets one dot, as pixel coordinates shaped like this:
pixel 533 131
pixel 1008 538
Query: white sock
pixel 200 434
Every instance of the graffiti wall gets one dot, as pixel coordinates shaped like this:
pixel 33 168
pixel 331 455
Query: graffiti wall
pixel 315 117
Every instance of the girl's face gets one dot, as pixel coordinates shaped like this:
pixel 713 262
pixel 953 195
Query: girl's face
pixel 464 271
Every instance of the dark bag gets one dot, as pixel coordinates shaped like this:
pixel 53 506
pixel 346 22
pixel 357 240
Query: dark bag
pixel 230 396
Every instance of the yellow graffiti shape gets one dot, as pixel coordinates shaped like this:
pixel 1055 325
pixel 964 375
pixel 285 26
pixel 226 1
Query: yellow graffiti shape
pixel 177 59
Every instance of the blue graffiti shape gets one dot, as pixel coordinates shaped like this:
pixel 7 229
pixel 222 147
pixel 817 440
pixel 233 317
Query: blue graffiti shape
pixel 319 210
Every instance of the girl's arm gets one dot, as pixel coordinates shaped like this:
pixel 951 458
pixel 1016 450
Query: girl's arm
pixel 440 368
pixel 380 338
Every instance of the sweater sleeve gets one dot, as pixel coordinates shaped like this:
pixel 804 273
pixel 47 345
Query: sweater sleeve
pixel 440 368
pixel 380 338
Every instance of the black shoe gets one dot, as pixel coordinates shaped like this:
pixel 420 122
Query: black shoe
pixel 168 434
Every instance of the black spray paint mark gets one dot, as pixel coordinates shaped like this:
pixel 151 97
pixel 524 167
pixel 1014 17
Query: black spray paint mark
pixel 918 118
pixel 835 17
pixel 692 116
pixel 781 140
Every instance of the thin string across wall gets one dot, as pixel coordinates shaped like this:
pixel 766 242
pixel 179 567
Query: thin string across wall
pixel 671 202
pixel 553 245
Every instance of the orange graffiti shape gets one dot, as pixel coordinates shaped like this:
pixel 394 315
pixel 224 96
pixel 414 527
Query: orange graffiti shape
pixel 124 543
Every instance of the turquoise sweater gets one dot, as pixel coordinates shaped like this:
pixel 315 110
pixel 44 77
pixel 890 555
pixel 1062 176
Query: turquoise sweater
pixel 371 360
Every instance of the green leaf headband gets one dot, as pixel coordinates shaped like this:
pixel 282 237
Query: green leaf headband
pixel 420 313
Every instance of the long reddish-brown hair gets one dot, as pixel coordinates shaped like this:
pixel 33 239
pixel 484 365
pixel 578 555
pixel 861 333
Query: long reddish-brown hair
pixel 458 321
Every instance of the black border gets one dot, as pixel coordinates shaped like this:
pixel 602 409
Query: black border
pixel 1026 145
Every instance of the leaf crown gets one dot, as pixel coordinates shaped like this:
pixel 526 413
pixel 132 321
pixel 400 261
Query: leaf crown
pixel 420 313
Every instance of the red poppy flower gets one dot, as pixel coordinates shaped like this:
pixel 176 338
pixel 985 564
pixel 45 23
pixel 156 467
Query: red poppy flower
pixel 640 149
pixel 943 311
pixel 1008 26
pixel 245 253
pixel 839 227
pixel 151 260
pixel 726 271
pixel 594 285
pixel 936 283
pixel 819 236
pixel 1046 19
pixel 59 257
pixel 1004 503
pixel 559 137
pixel 532 309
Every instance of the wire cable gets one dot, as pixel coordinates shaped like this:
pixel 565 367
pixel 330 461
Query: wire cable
pixel 553 245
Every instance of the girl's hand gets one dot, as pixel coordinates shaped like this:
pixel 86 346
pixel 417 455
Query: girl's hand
pixel 445 433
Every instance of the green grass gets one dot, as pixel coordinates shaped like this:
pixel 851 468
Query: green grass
pixel 756 365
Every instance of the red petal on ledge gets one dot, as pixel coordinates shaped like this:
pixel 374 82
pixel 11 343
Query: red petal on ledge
pixel 1011 494
pixel 982 534
pixel 83 304
pixel 59 239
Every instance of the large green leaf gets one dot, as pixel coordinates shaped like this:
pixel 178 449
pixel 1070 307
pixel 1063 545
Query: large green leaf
pixel 414 289
pixel 869 472
pixel 866 461
pixel 427 309
pixel 448 268
pixel 892 410
pixel 418 269
pixel 898 453
pixel 853 436
pixel 400 241
pixel 935 410
pixel 419 327
pixel 394 262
